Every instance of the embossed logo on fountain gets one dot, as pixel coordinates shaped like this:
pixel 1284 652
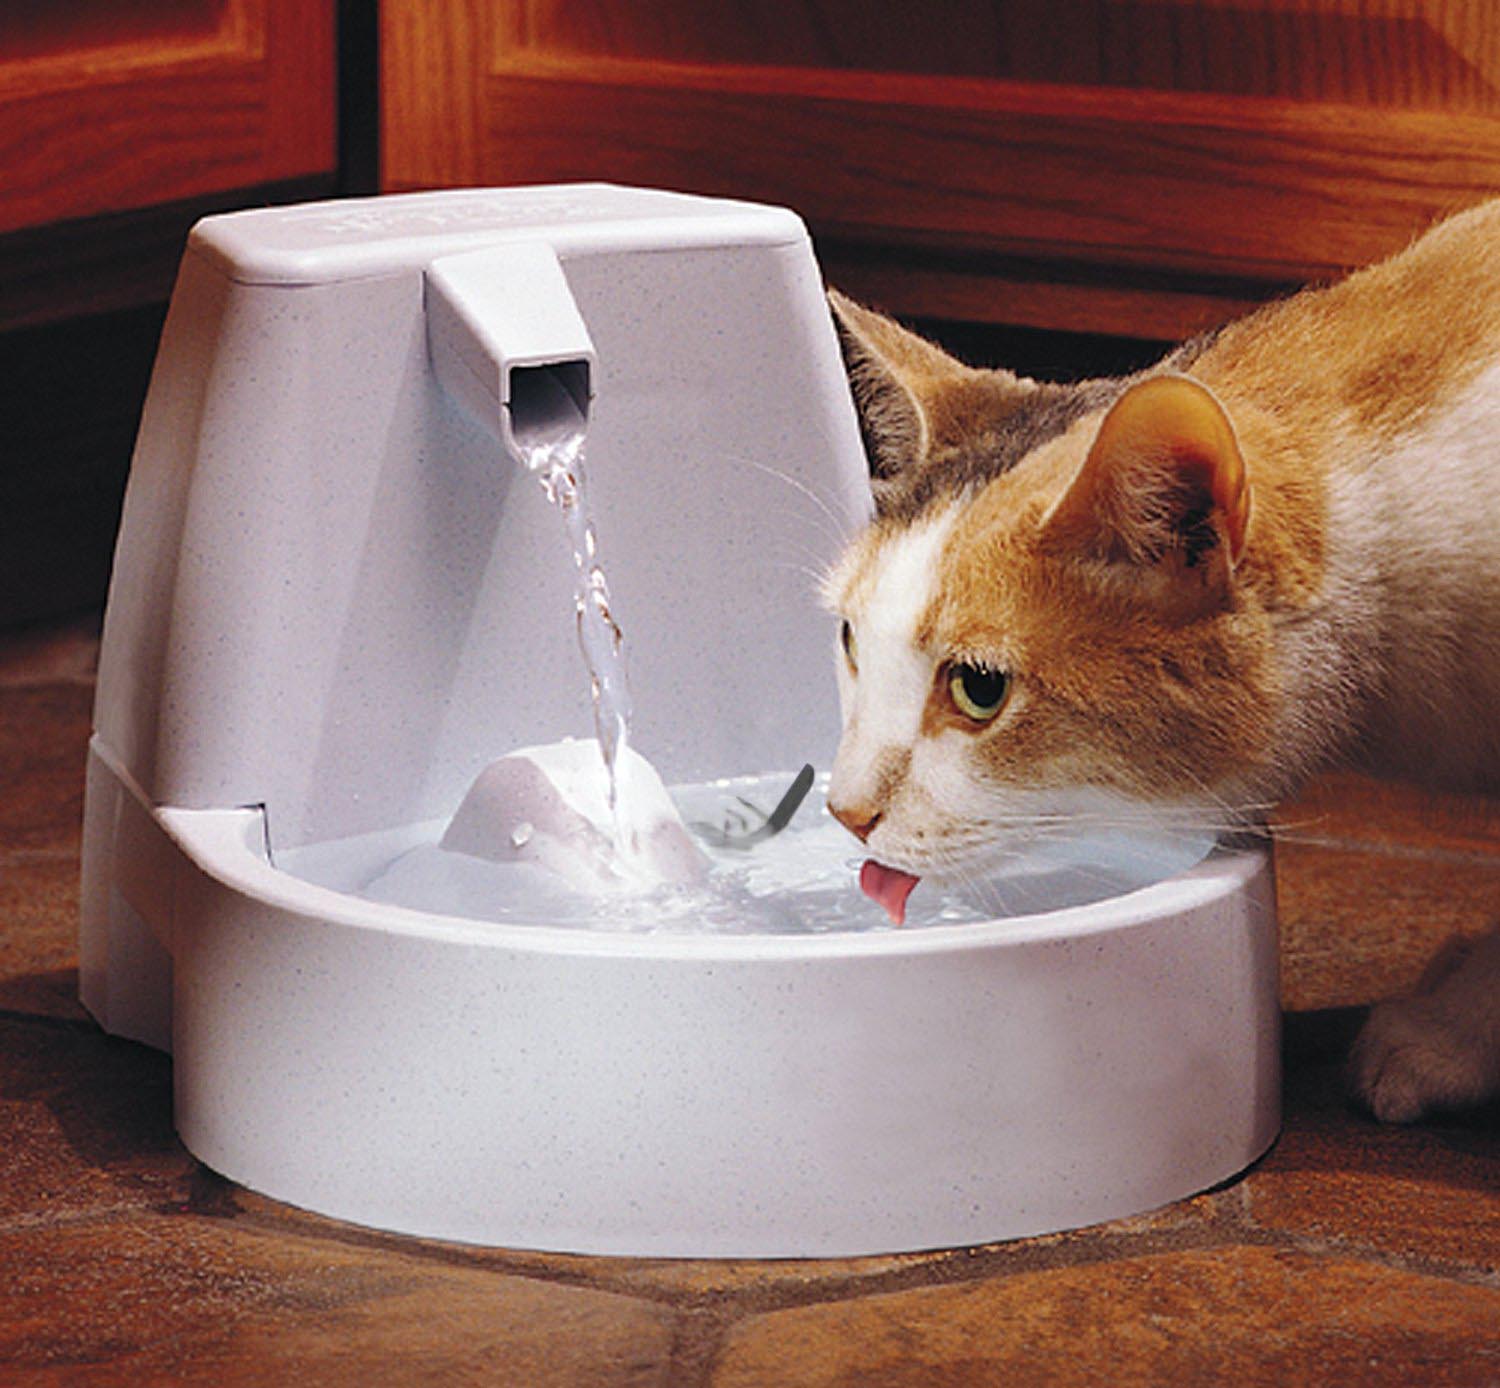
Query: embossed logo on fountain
pixel 419 216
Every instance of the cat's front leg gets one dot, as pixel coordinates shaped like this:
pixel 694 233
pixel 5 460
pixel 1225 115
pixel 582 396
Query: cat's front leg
pixel 1439 1047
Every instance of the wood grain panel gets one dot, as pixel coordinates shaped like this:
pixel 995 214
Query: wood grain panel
pixel 39 29
pixel 1206 185
pixel 432 71
pixel 1036 294
pixel 1418 54
pixel 1128 166
pixel 142 114
pixel 300 69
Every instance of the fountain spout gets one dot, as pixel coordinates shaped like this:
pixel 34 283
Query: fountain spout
pixel 508 343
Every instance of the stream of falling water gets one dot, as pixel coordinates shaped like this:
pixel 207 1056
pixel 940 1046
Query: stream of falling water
pixel 559 463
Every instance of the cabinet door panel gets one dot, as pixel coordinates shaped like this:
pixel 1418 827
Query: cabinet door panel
pixel 1071 163
pixel 1160 179
pixel 106 108
pixel 1403 53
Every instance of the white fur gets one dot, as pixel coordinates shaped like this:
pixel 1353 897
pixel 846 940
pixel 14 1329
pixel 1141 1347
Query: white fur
pixel 1414 584
pixel 1439 1047
pixel 884 701
pixel 1403 650
pixel 940 819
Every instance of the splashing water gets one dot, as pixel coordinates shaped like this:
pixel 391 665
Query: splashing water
pixel 559 463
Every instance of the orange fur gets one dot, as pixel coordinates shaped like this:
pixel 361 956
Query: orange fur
pixel 1202 590
pixel 1168 677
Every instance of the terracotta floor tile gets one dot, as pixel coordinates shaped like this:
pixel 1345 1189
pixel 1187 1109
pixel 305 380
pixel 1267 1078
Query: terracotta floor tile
pixel 50 652
pixel 85 1125
pixel 1427 1193
pixel 1345 808
pixel 44 735
pixel 1357 925
pixel 750 1281
pixel 186 1300
pixel 1240 1315
pixel 38 936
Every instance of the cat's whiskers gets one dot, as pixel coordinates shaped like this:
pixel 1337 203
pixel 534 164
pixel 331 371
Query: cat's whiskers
pixel 837 529
pixel 982 887
pixel 814 576
pixel 834 529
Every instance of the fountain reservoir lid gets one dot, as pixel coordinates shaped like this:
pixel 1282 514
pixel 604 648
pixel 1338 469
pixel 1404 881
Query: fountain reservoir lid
pixel 315 243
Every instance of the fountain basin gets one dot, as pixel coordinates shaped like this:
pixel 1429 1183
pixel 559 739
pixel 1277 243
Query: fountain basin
pixel 695 1095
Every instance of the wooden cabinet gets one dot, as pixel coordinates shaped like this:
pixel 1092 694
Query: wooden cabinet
pixel 110 109
pixel 105 107
pixel 120 123
pixel 1121 166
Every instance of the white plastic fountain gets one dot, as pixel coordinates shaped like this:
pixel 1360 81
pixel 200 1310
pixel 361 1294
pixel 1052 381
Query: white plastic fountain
pixel 337 598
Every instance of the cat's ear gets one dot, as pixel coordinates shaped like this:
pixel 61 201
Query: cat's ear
pixel 1164 486
pixel 914 400
pixel 887 365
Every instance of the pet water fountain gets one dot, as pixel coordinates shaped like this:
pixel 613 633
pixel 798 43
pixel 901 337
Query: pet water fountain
pixel 339 596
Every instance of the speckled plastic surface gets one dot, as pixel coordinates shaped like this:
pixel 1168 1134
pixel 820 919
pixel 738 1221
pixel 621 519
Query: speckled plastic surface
pixel 335 600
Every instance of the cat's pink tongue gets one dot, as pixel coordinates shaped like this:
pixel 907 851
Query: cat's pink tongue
pixel 889 886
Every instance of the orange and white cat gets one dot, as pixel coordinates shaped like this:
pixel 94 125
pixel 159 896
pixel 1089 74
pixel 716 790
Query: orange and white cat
pixel 1182 593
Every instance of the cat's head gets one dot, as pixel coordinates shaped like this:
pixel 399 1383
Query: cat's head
pixel 1047 615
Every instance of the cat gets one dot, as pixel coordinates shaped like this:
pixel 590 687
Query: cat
pixel 1182 593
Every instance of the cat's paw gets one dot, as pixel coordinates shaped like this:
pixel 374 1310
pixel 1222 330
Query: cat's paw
pixel 1436 1049
pixel 1410 1059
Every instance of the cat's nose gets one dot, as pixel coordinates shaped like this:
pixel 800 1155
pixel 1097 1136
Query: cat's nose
pixel 859 820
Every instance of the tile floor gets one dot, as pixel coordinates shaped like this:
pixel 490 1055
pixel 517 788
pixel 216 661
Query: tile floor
pixel 1352 1254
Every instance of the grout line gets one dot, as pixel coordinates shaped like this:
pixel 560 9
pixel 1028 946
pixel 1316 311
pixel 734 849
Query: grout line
pixel 698 1338
pixel 1332 1246
pixel 774 1293
pixel 705 1319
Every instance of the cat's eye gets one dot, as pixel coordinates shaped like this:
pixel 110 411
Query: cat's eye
pixel 846 640
pixel 977 693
